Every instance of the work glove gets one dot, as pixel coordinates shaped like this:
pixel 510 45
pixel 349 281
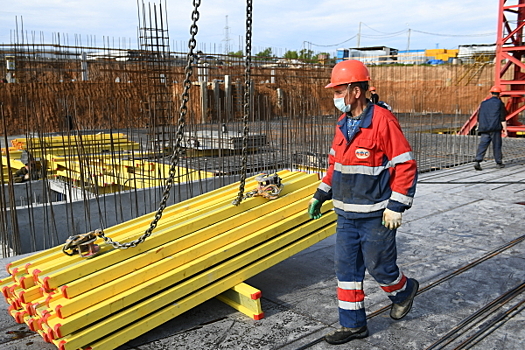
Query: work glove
pixel 314 208
pixel 391 219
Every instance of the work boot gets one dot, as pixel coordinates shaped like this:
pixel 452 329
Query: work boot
pixel 344 334
pixel 477 166
pixel 501 165
pixel 398 311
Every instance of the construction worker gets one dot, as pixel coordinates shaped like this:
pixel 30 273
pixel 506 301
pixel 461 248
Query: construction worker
pixel 374 97
pixel 22 174
pixel 491 124
pixel 371 179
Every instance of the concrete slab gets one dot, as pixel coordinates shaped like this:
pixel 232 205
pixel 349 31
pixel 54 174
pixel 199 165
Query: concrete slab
pixel 452 225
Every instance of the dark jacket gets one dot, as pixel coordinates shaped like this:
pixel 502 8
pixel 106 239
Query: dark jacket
pixel 491 113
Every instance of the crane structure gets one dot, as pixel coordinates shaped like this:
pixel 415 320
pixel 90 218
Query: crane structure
pixel 509 70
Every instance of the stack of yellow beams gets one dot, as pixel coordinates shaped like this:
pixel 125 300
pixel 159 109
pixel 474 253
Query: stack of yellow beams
pixel 106 171
pixel 200 248
pixel 75 144
pixel 14 165
pixel 14 153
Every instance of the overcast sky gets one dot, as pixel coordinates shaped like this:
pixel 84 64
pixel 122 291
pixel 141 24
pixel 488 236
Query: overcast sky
pixel 319 25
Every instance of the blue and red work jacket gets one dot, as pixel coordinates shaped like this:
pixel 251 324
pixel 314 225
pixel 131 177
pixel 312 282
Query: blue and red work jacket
pixel 370 168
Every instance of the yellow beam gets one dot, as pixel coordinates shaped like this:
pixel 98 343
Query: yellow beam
pixel 244 298
pixel 196 244
pixel 30 294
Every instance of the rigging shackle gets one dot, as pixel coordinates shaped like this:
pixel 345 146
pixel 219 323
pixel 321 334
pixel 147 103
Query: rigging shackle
pixel 269 186
pixel 83 244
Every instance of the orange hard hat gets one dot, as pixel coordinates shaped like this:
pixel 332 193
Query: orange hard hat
pixel 372 88
pixel 349 71
pixel 495 89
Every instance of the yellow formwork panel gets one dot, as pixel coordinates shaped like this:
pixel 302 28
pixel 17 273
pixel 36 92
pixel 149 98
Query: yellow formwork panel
pixel 140 323
pixel 178 213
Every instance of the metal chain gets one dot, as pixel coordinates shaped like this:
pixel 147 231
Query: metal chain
pixel 247 105
pixel 180 135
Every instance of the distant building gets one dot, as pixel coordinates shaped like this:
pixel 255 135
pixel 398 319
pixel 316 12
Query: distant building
pixel 369 55
pixel 376 55
pixel 412 57
pixel 477 53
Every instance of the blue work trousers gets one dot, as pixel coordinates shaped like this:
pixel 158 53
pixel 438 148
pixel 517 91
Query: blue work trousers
pixel 365 244
pixel 484 142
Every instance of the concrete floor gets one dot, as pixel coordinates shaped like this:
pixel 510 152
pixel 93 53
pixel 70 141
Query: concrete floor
pixel 460 217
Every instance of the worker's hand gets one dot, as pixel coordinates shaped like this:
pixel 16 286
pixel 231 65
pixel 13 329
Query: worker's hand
pixel 391 219
pixel 314 208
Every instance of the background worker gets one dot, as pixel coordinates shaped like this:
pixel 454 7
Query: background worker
pixel 374 97
pixel 491 122
pixel 371 179
pixel 22 174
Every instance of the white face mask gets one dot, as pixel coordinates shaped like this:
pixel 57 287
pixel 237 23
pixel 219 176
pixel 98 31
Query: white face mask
pixel 340 105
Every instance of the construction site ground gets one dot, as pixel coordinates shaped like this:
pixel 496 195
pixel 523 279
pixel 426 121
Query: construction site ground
pixel 463 241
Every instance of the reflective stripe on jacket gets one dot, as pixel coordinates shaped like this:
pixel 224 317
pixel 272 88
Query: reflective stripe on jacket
pixel 372 171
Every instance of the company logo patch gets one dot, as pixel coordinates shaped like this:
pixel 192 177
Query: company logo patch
pixel 362 153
